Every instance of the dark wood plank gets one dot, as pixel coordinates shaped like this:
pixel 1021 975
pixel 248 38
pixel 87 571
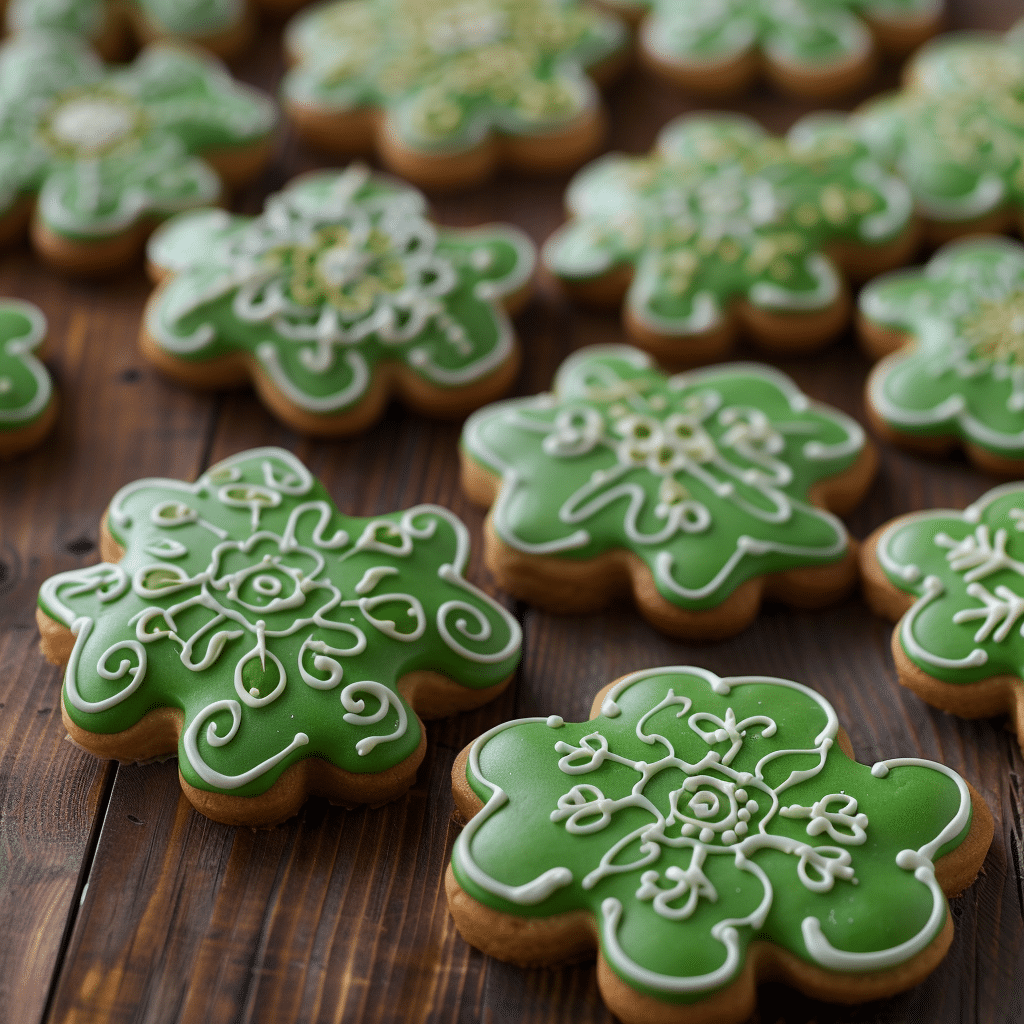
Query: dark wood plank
pixel 339 915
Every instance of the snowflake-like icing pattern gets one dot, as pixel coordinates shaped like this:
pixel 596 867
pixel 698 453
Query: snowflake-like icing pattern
pixel 965 571
pixel 279 627
pixel 190 19
pixel 695 814
pixel 448 73
pixel 25 385
pixel 104 149
pixel 723 212
pixel 704 475
pixel 342 274
pixel 963 376
pixel 955 132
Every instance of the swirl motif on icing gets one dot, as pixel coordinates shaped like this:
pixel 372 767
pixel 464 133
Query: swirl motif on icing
pixel 448 73
pixel 341 273
pixel 687 841
pixel 279 627
pixel 187 18
pixel 25 385
pixel 721 211
pixel 102 148
pixel 703 475
pixel 964 373
pixel 966 570
pixel 955 131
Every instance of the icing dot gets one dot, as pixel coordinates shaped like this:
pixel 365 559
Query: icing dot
pixel 741 828
pixel 706 835
pixel 728 837
pixel 253 691
pixel 743 815
pixel 688 829
pixel 752 806
pixel 555 722
pixel 741 796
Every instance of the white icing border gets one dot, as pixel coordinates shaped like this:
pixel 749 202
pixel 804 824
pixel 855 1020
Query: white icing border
pixel 23 348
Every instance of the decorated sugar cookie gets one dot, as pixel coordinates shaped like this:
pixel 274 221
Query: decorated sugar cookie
pixel 100 153
pixel 724 229
pixel 341 294
pixel 807 47
pixel 222 26
pixel 448 90
pixel 954 331
pixel 955 581
pixel 701 493
pixel 28 404
pixel 705 833
pixel 955 131
pixel 281 649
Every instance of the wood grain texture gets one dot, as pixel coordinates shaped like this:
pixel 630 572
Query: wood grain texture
pixel 340 915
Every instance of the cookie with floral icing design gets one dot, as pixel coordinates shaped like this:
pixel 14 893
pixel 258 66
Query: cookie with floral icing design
pixel 341 294
pixel 725 229
pixel 955 132
pixel 28 403
pixel 95 156
pixel 223 27
pixel 705 833
pixel 952 334
pixel 806 47
pixel 700 493
pixel 448 90
pixel 955 582
pixel 281 649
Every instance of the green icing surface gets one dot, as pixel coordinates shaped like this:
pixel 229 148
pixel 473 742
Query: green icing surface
pixel 966 569
pixel 86 17
pixel 342 272
pixel 955 132
pixel 696 814
pixel 704 475
pixel 722 211
pixel 246 596
pixel 25 385
pixel 811 34
pixel 964 374
pixel 449 72
pixel 106 147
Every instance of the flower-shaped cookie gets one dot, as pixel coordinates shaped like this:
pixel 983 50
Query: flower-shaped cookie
pixel 725 227
pixel 340 294
pixel 28 406
pixel 808 47
pixel 447 90
pixel 955 334
pixel 703 831
pixel 699 491
pixel 957 580
pixel 280 648
pixel 222 26
pixel 103 152
pixel 955 132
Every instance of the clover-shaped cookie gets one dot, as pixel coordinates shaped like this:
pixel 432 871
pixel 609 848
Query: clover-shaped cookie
pixel 101 153
pixel 28 404
pixel 340 294
pixel 725 228
pixel 221 26
pixel 807 47
pixel 448 90
pixel 953 336
pixel 701 492
pixel 955 581
pixel 281 649
pixel 703 833
pixel 955 132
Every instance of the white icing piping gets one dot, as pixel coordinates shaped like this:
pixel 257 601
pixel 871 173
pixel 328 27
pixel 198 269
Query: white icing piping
pixel 23 348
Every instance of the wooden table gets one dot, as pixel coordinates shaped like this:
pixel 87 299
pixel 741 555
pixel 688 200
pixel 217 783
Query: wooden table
pixel 120 903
